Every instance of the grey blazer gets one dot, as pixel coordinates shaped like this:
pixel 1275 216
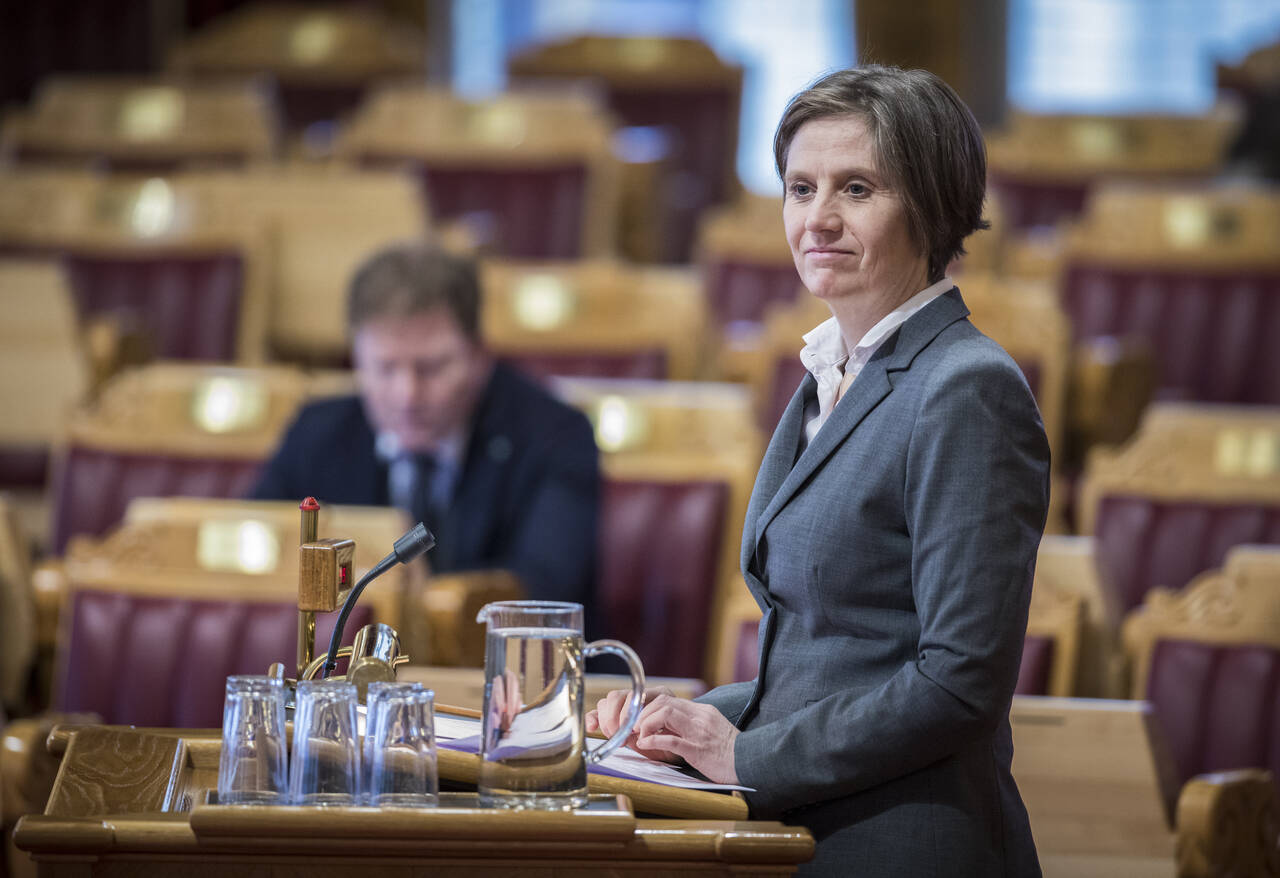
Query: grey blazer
pixel 892 560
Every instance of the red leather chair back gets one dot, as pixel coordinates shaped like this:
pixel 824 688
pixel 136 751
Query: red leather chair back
pixel 1143 543
pixel 746 652
pixel 1036 666
pixel 1214 335
pixel 94 486
pixel 1033 672
pixel 164 661
pixel 660 544
pixel 601 364
pixel 1026 204
pixel 743 292
pixel 1218 706
pixel 519 213
pixel 188 305
pixel 22 467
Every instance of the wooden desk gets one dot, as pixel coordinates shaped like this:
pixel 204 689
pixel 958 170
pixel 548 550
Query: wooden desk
pixel 129 802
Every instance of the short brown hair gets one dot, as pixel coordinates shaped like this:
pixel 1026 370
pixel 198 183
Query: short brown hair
pixel 927 144
pixel 407 279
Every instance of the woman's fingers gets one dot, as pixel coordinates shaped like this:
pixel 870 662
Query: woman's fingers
pixel 611 711
pixel 698 733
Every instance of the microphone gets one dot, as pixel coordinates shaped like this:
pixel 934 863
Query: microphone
pixel 412 545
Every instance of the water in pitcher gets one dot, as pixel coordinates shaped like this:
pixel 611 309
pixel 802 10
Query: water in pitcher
pixel 533 739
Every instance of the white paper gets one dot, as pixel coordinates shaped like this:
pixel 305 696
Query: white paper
pixel 463 733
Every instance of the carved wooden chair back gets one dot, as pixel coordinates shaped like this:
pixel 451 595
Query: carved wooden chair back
pixel 18 622
pixel 155 257
pixel 1042 167
pixel 231 532
pixel 1183 269
pixel 1208 658
pixel 151 124
pixel 1051 648
pixel 169 429
pixel 531 174
pixel 321 59
pixel 1193 482
pixel 159 612
pixel 679 461
pixel 44 372
pixel 677 87
pixel 745 260
pixel 322 224
pixel 596 319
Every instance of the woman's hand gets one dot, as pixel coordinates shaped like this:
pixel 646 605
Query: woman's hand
pixel 698 733
pixel 611 712
pixel 672 729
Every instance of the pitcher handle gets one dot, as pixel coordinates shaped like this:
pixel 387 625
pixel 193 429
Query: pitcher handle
pixel 634 703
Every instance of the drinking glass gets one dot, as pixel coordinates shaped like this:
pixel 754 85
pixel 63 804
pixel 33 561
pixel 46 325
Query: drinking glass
pixel 251 768
pixel 324 769
pixel 400 746
pixel 532 744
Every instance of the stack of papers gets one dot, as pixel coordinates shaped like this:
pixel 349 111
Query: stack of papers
pixel 463 734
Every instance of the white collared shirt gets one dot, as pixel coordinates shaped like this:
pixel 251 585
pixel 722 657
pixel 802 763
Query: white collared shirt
pixel 829 360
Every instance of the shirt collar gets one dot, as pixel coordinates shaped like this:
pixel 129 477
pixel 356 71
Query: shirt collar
pixel 446 454
pixel 825 346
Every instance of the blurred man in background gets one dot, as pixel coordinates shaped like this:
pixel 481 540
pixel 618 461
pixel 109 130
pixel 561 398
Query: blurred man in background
pixel 505 475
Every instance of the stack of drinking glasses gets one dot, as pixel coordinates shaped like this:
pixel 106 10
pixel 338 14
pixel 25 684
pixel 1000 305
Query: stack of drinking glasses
pixel 393 766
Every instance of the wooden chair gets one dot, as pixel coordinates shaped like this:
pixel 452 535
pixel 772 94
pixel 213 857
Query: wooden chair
pixel 676 85
pixel 1042 167
pixel 156 258
pixel 169 429
pixel 746 261
pixel 17 623
pixel 159 612
pixel 1051 647
pixel 1098 786
pixel 322 60
pixel 531 173
pixel 1067 565
pixel 1193 482
pixel 322 222
pixel 595 319
pixel 679 460
pixel 44 374
pixel 1208 659
pixel 152 125
pixel 1192 272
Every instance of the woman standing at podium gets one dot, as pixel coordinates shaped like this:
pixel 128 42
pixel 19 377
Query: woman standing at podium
pixel 892 531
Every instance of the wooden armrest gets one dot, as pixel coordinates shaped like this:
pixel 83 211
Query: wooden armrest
pixel 27 766
pixel 1227 824
pixel 1112 381
pixel 450 604
pixel 49 586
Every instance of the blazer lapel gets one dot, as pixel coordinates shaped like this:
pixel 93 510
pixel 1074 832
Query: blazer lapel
pixel 779 458
pixel 871 386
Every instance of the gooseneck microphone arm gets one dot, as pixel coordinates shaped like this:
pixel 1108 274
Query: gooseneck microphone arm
pixel 409 547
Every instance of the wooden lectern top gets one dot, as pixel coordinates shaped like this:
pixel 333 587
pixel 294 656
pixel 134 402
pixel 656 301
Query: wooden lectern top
pixel 137 799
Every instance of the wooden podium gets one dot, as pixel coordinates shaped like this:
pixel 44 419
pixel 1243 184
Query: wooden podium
pixel 134 802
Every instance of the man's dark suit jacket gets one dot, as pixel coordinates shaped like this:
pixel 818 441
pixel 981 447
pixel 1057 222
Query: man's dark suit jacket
pixel 893 559
pixel 526 500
